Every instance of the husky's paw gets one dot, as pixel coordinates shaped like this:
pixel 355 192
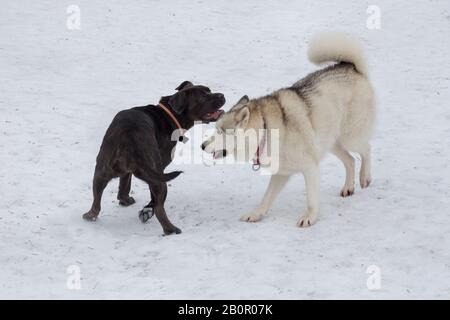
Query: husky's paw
pixel 347 191
pixel 255 217
pixel 365 181
pixel 307 220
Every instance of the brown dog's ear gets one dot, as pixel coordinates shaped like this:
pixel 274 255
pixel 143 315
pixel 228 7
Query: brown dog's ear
pixel 178 102
pixel 184 85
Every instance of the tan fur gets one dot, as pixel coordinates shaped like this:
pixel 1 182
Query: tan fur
pixel 332 110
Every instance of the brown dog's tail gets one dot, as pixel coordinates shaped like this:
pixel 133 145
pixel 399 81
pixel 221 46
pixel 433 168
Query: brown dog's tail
pixel 163 177
pixel 169 176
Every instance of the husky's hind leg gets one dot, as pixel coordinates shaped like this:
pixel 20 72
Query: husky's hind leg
pixel 365 177
pixel 349 164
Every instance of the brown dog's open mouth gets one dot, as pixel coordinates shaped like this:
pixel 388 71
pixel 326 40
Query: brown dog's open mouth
pixel 212 116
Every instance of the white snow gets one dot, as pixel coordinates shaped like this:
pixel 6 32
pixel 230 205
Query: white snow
pixel 60 89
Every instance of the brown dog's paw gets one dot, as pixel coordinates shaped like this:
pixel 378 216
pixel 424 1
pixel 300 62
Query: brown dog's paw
pixel 146 213
pixel 128 201
pixel 173 230
pixel 90 216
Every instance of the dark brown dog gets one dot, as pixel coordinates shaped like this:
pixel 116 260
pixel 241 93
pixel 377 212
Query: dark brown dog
pixel 139 142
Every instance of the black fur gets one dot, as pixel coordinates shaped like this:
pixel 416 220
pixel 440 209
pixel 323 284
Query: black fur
pixel 139 142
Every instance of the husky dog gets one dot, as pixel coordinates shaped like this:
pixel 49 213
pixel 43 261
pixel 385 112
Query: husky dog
pixel 330 110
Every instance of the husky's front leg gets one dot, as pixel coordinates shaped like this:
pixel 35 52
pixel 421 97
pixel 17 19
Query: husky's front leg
pixel 277 182
pixel 312 179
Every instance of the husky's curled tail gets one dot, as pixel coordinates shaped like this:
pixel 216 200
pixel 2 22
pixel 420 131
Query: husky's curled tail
pixel 337 47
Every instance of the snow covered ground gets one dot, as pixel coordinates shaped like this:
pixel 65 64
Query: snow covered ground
pixel 60 88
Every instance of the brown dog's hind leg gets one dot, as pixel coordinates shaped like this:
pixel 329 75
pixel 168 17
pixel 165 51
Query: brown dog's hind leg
pixel 158 193
pixel 124 191
pixel 98 186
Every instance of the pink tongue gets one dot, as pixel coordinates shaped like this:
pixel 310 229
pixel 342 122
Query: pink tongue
pixel 213 116
pixel 216 114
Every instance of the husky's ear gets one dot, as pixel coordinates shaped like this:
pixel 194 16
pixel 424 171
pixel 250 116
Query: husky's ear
pixel 242 117
pixel 183 85
pixel 244 100
pixel 178 102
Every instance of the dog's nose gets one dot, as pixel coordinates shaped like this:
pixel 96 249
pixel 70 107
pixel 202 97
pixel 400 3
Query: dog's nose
pixel 221 97
pixel 203 146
